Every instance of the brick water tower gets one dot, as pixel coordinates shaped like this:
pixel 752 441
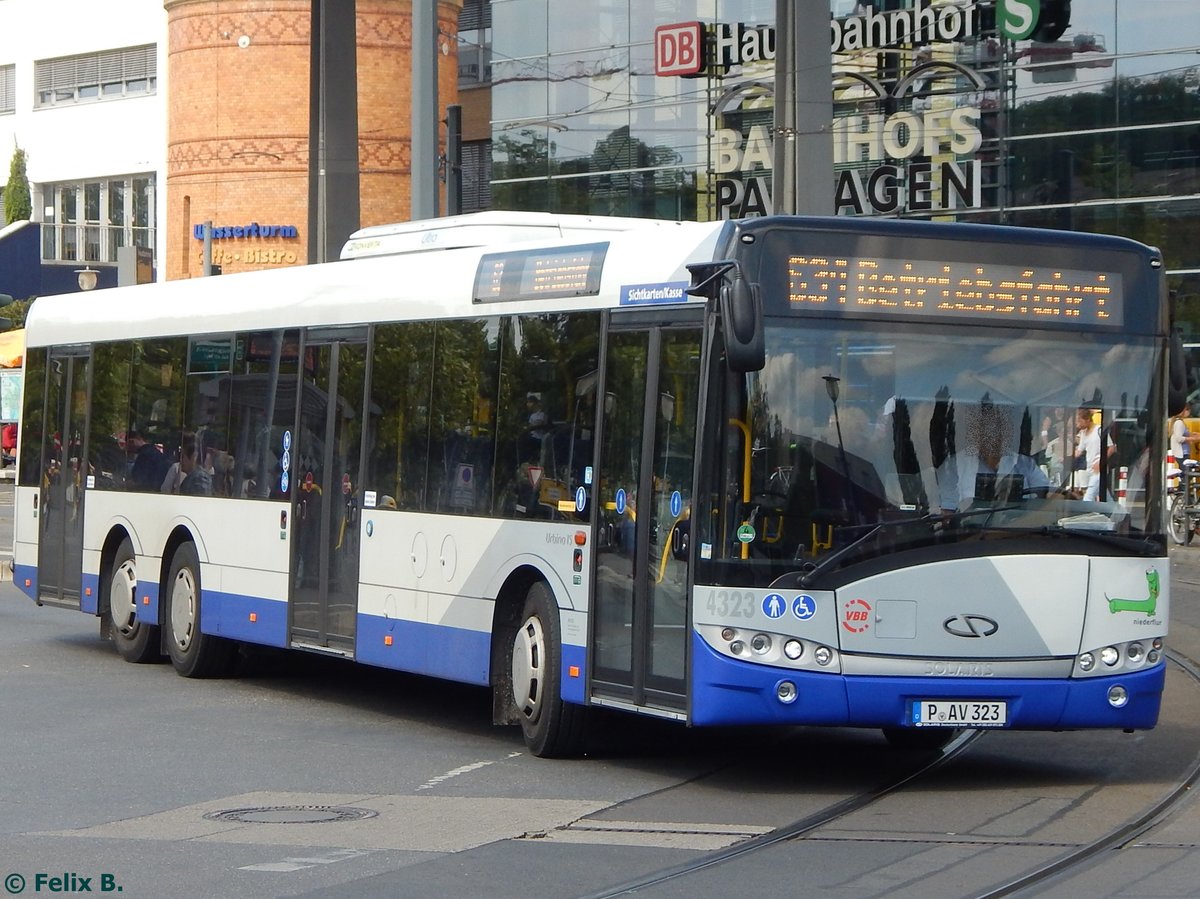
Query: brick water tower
pixel 241 98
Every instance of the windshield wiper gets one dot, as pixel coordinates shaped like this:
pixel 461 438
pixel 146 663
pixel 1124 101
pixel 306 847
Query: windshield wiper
pixel 933 520
pixel 826 563
pixel 1144 545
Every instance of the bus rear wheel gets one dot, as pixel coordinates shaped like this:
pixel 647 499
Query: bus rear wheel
pixel 193 653
pixel 552 728
pixel 136 641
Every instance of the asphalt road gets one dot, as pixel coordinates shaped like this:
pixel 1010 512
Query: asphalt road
pixel 140 780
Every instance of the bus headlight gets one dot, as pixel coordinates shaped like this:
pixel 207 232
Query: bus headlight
pixel 785 692
pixel 728 633
pixel 793 649
pixel 760 643
pixel 1109 656
pixel 1134 652
pixel 823 655
pixel 1087 661
pixel 1118 696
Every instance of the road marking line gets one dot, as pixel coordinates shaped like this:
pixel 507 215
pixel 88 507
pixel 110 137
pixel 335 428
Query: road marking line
pixel 299 864
pixel 463 769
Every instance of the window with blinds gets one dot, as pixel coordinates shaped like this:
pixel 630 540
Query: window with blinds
pixel 477 175
pixel 8 89
pixel 130 72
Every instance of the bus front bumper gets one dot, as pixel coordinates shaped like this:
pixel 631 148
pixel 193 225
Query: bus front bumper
pixel 727 691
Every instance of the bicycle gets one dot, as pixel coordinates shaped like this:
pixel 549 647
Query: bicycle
pixel 1184 515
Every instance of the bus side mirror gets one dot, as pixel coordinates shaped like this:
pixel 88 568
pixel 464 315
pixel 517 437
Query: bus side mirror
pixel 1177 383
pixel 741 313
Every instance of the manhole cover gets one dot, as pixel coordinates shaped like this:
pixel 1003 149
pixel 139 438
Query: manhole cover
pixel 291 814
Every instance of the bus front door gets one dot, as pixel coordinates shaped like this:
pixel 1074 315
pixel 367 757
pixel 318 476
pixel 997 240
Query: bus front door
pixel 640 628
pixel 326 493
pixel 60 506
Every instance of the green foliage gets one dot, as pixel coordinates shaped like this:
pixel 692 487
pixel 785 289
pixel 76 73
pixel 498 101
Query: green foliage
pixel 18 205
pixel 15 313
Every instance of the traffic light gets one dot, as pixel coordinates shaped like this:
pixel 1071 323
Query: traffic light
pixel 1052 20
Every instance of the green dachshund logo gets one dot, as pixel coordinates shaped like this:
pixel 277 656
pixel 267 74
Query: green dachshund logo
pixel 1147 605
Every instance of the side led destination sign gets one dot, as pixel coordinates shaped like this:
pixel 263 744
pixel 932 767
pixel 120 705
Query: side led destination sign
pixel 540 273
pixel 941 289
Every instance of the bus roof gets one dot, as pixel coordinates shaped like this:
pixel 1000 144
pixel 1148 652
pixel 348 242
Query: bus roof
pixel 484 229
pixel 360 291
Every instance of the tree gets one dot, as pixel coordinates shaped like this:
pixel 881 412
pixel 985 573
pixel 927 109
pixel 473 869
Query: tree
pixel 18 206
pixel 12 315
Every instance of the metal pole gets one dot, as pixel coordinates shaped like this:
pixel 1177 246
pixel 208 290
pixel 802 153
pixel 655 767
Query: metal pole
pixel 783 174
pixel 424 127
pixel 811 86
pixel 454 179
pixel 208 263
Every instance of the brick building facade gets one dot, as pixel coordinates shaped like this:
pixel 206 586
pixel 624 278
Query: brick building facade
pixel 238 129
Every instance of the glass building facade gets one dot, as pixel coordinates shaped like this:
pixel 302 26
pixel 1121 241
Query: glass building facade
pixel 1086 118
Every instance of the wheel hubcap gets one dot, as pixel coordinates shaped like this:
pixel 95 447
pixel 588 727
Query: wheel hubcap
pixel 183 609
pixel 528 663
pixel 122 597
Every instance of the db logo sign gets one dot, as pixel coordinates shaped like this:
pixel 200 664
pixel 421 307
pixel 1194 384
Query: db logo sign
pixel 856 616
pixel 679 49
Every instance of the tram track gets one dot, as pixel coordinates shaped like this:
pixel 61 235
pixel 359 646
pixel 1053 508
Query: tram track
pixel 795 829
pixel 1075 860
pixel 1121 836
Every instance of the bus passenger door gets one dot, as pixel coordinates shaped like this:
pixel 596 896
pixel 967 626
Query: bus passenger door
pixel 60 506
pixel 640 627
pixel 325 497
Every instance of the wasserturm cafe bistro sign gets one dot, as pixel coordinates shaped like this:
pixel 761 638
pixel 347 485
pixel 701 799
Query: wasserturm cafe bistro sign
pixel 917 159
pixel 242 243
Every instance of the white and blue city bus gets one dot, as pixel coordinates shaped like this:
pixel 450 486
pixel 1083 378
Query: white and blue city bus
pixel 789 471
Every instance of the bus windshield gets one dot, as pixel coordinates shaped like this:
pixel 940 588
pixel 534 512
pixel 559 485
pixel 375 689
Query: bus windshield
pixel 860 439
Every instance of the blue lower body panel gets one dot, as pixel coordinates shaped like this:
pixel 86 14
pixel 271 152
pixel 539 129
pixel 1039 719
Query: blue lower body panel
pixel 26 579
pixel 249 618
pixel 727 691
pixel 439 651
pixel 89 596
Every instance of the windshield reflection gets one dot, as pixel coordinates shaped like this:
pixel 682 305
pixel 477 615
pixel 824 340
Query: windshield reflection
pixel 856 441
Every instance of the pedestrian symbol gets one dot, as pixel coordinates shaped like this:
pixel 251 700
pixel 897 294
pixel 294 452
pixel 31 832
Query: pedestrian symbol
pixel 774 605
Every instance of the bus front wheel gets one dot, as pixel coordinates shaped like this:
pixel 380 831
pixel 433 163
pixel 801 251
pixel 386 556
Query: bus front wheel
pixel 193 653
pixel 136 641
pixel 552 728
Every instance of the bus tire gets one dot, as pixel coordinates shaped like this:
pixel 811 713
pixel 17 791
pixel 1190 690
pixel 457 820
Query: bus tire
pixel 552 728
pixel 193 653
pixel 136 641
pixel 1178 523
pixel 923 739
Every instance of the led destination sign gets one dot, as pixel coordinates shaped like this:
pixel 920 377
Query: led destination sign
pixel 541 273
pixel 979 290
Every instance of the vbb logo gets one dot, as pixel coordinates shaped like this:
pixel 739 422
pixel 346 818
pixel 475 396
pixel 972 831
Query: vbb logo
pixel 856 615
pixel 679 49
